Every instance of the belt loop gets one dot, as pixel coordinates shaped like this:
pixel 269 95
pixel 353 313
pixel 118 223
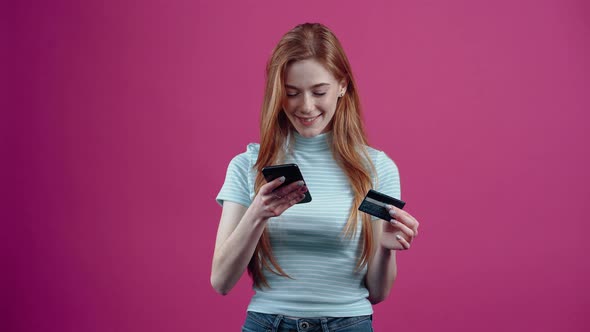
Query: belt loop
pixel 325 325
pixel 276 323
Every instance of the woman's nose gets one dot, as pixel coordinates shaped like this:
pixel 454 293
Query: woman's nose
pixel 308 103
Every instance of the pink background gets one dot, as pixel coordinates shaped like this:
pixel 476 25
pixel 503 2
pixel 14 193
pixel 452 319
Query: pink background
pixel 123 116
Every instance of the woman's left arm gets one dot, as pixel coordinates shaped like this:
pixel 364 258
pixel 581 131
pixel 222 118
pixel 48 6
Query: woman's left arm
pixel 396 234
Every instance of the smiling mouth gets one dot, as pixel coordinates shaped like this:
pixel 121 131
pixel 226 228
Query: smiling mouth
pixel 308 120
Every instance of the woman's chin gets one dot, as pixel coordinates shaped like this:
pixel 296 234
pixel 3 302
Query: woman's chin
pixel 309 132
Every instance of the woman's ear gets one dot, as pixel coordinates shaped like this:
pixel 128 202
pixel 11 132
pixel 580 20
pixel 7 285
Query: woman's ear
pixel 342 88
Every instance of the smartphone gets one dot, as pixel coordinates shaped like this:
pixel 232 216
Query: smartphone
pixel 291 173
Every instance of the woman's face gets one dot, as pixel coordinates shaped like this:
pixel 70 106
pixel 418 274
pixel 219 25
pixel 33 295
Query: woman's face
pixel 312 94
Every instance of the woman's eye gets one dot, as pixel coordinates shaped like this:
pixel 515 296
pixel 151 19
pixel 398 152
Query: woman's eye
pixel 292 94
pixel 319 93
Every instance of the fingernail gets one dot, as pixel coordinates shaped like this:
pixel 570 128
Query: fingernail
pixel 300 183
pixel 391 211
pixel 398 237
pixel 282 179
pixel 393 221
pixel 388 207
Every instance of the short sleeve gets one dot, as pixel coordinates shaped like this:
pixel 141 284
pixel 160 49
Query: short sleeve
pixel 236 187
pixel 388 181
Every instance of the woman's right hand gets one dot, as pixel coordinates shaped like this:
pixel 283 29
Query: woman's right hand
pixel 272 202
pixel 240 229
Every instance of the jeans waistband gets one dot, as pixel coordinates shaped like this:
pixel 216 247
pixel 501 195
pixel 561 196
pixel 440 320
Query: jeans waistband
pixel 280 323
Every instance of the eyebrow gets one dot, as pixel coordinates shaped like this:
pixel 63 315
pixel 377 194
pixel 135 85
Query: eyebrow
pixel 313 86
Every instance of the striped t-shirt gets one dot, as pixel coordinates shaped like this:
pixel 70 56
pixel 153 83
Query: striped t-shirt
pixel 308 240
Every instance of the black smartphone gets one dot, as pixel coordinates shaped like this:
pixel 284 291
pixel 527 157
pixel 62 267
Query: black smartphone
pixel 291 173
pixel 374 204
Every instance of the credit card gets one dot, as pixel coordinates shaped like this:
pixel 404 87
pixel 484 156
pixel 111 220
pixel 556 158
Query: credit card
pixel 374 204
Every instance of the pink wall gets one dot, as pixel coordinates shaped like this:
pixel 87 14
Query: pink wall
pixel 124 115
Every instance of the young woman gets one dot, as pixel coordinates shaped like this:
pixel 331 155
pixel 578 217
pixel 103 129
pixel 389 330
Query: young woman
pixel 317 266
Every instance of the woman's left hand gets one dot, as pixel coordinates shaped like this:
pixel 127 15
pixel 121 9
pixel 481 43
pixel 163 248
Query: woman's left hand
pixel 400 231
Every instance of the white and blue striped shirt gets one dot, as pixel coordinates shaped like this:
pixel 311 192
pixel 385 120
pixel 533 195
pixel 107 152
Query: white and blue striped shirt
pixel 308 239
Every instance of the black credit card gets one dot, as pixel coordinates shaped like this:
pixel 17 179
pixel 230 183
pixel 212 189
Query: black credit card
pixel 374 204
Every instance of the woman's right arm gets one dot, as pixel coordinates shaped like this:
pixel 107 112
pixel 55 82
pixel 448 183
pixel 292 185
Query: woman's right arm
pixel 240 229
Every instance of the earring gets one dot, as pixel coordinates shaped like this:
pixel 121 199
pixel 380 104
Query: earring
pixel 341 94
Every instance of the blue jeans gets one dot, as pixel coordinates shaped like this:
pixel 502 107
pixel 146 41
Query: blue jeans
pixel 259 322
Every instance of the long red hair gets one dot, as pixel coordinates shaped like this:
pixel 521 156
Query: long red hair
pixel 315 41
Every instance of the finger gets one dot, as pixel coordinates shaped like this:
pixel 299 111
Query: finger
pixel 403 241
pixel 405 229
pixel 276 206
pixel 291 198
pixel 290 188
pixel 403 217
pixel 289 201
pixel 272 185
pixel 393 211
pixel 295 200
pixel 414 222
